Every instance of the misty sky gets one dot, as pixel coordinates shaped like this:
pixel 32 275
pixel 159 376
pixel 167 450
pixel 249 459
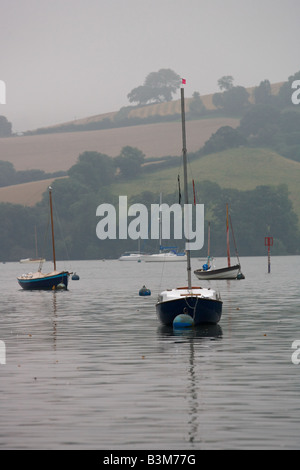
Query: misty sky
pixel 67 59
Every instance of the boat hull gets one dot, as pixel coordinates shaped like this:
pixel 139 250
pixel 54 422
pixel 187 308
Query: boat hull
pixel 203 311
pixel 131 257
pixel 47 282
pixel 222 273
pixel 162 258
pixel 32 260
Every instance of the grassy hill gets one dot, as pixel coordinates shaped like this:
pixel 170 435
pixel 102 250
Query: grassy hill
pixel 241 168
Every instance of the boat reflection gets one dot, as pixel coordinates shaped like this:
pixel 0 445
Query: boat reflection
pixel 187 340
pixel 200 331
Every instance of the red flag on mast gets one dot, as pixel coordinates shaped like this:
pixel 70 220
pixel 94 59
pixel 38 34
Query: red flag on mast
pixel 183 81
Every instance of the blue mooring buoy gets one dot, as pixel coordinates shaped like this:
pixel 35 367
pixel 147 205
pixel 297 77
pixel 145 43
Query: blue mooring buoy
pixel 183 321
pixel 144 291
pixel 75 277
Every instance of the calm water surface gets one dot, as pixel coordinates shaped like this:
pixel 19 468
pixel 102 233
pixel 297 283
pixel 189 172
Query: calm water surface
pixel 91 368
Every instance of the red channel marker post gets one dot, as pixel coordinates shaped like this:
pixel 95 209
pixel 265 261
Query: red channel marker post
pixel 269 243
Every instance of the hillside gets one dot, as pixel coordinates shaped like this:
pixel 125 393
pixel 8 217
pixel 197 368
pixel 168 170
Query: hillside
pixel 26 194
pixel 241 168
pixel 59 151
pixel 55 152
pixel 161 109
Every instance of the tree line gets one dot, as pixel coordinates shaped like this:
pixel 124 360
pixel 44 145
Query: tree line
pixel 10 176
pixel 254 214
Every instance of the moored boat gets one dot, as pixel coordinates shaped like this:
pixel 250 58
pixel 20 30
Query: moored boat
pixel 40 281
pixel 131 256
pixel 208 271
pixel 204 306
pixel 164 257
pixel 230 272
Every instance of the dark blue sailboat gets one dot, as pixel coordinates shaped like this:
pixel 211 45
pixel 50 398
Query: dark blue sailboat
pixel 50 281
pixel 40 281
pixel 202 305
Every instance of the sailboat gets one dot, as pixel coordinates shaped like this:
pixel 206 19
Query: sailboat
pixel 229 272
pixel 201 304
pixel 133 255
pixel 166 253
pixel 36 259
pixel 53 280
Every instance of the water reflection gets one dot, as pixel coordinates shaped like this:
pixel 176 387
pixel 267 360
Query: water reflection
pixel 194 394
pixel 92 368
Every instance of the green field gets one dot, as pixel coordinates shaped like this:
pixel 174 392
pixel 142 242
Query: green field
pixel 241 168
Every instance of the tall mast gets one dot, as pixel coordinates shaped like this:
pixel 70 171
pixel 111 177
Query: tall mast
pixel 52 228
pixel 160 223
pixel 35 238
pixel 227 231
pixel 208 248
pixel 186 198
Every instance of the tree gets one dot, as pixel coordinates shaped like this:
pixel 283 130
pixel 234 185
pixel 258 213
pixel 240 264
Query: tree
pixel 262 93
pixel 254 213
pixel 141 95
pixel 5 127
pixel 158 87
pixel 130 161
pixel 226 82
pixel 7 174
pixel 259 117
pixel 217 100
pixel 196 107
pixel 225 137
pixel 233 100
pixel 93 169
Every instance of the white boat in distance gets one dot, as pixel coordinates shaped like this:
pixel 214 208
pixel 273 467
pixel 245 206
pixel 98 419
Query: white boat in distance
pixel 155 258
pixel 169 256
pixel 32 260
pixel 131 256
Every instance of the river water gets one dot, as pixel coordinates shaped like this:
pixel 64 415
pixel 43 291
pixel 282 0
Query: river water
pixel 91 367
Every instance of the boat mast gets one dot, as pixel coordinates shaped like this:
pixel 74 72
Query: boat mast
pixel 52 228
pixel 227 231
pixel 186 197
pixel 160 223
pixel 208 248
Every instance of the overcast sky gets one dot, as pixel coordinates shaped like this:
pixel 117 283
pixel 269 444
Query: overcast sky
pixel 67 59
